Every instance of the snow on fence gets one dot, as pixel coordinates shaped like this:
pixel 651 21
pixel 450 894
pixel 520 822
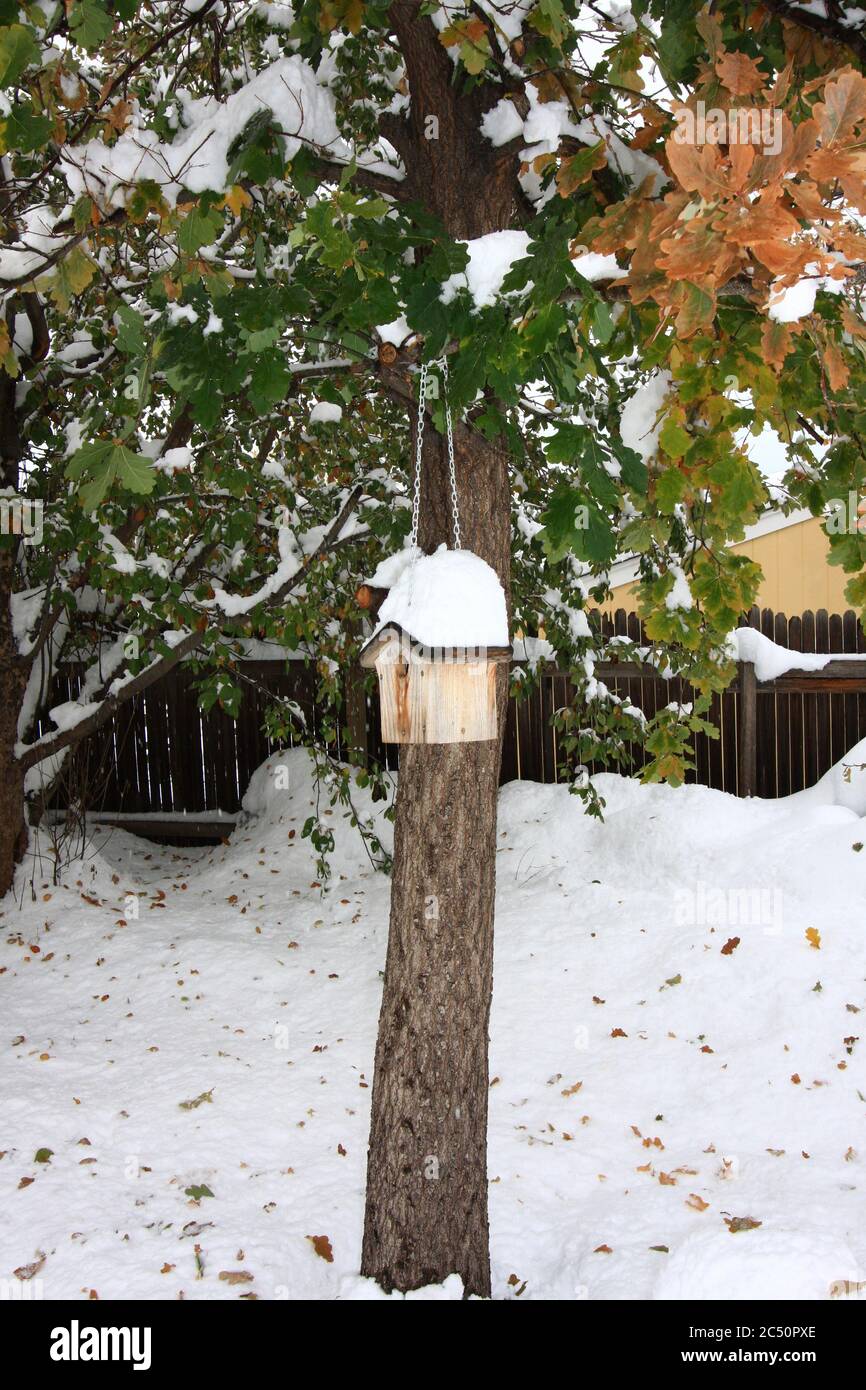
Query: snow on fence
pixel 776 736
pixel 161 758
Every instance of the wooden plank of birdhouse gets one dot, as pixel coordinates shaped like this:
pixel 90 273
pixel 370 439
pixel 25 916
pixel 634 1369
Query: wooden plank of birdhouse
pixel 437 702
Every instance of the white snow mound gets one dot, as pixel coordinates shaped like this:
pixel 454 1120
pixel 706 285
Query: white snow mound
pixel 451 598
pixel 782 1262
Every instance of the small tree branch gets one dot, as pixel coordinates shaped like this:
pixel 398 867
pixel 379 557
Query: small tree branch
pixel 832 29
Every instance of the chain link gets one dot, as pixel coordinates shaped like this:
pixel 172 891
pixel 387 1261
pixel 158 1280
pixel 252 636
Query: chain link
pixel 419 444
pixel 452 472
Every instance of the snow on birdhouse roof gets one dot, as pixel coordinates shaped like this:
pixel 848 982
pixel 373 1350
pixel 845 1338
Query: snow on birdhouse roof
pixel 451 598
pixel 387 572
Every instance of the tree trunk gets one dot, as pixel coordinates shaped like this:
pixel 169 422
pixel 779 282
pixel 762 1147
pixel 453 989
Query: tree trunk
pixel 13 675
pixel 13 828
pixel 426 1214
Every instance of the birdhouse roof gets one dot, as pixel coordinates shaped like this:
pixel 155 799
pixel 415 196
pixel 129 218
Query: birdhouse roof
pixel 391 636
pixel 451 598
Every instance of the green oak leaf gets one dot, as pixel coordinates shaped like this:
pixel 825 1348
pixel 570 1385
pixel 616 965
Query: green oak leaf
pixel 674 439
pixel 18 49
pixel 103 463
pixel 130 331
pixel 670 489
pixel 200 227
pixel 23 130
pixel 90 24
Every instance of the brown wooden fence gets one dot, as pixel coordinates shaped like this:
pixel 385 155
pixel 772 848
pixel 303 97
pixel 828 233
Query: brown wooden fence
pixel 802 725
pixel 161 756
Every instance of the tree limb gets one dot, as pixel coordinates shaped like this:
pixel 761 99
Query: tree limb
pixel 828 28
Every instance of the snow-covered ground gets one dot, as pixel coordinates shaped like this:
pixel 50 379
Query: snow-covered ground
pixel 675 1054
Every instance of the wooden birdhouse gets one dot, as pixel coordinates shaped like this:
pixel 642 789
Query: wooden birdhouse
pixel 442 632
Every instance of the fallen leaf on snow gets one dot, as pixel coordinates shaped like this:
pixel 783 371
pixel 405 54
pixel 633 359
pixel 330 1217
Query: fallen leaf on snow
pixel 196 1193
pixel 322 1247
pixel 24 1272
pixel 741 1223
pixel 199 1100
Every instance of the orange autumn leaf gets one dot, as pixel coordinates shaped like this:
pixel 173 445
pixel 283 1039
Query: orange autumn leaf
pixel 237 199
pixel 776 342
pixel 695 249
pixel 805 194
pixel 776 94
pixel 739 73
pixel 742 158
pixel 696 1203
pixel 828 165
pixel 580 167
pixel 781 258
pixel 837 373
pixel 852 323
pixel 764 220
pixel 730 946
pixel 698 170
pixel 813 936
pixel 843 108
pixel 322 1247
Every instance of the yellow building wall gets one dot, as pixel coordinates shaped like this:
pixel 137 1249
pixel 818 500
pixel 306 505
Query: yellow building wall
pixel 796 573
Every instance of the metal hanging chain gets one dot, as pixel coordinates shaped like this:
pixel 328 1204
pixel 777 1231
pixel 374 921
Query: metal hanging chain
pixel 419 442
pixel 452 472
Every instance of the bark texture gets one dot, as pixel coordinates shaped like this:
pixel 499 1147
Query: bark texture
pixel 13 828
pixel 13 680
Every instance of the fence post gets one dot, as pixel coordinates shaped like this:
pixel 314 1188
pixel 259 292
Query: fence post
pixel 747 747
